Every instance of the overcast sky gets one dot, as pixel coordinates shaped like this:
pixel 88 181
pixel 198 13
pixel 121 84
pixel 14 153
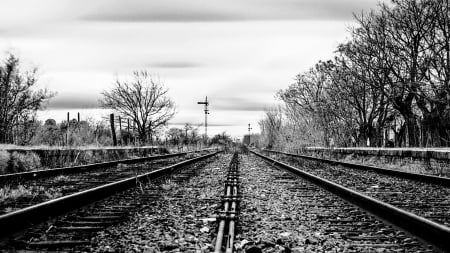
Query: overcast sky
pixel 236 52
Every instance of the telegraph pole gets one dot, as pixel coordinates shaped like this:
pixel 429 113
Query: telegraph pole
pixel 249 128
pixel 206 103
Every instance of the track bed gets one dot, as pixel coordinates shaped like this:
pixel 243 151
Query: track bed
pixel 431 201
pixel 174 211
pixel 282 213
pixel 31 192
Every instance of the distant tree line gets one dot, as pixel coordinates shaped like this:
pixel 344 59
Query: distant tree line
pixel 140 103
pixel 72 133
pixel 51 133
pixel 98 133
pixel 388 85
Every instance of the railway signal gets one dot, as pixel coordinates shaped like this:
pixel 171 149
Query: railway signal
pixel 206 103
pixel 249 134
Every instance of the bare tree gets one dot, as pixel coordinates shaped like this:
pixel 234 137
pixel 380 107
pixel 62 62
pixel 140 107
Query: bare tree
pixel 271 126
pixel 19 100
pixel 436 120
pixel 142 99
pixel 309 97
pixel 391 77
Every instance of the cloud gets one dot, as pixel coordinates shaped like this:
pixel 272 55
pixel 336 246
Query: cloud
pixel 238 65
pixel 74 101
pixel 174 64
pixel 200 124
pixel 230 10
pixel 237 104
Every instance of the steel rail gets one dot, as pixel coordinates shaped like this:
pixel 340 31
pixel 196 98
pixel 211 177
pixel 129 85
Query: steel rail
pixel 222 223
pixel 18 220
pixel 28 175
pixel 232 223
pixel 229 213
pixel 433 233
pixel 444 181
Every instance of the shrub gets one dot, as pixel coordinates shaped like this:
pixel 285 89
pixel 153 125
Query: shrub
pixel 88 156
pixel 25 161
pixel 4 160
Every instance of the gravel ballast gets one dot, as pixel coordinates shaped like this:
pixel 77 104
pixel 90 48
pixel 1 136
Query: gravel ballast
pixel 283 213
pixel 278 212
pixel 424 199
pixel 183 219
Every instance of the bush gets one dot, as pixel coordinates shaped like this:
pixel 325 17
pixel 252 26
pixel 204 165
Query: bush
pixel 4 160
pixel 25 161
pixel 88 157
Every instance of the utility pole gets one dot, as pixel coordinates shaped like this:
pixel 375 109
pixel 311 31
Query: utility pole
pixel 128 130
pixel 206 103
pixel 120 130
pixel 113 129
pixel 249 128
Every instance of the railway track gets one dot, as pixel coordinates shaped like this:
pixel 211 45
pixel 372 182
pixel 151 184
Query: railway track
pixel 249 204
pixel 358 190
pixel 35 174
pixel 23 189
pixel 92 217
pixel 414 193
pixel 228 217
pixel 443 181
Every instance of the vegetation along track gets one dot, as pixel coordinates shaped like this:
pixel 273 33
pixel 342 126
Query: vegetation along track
pixel 21 191
pixel 427 230
pixel 28 216
pixel 415 194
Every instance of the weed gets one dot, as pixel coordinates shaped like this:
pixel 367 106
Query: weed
pixel 20 191
pixel 4 160
pixel 168 184
pixel 51 193
pixel 61 178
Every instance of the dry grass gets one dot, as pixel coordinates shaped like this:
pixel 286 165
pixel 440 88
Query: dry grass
pixel 20 191
pixel 11 146
pixel 397 164
pixel 398 148
pixel 8 192
pixel 25 161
